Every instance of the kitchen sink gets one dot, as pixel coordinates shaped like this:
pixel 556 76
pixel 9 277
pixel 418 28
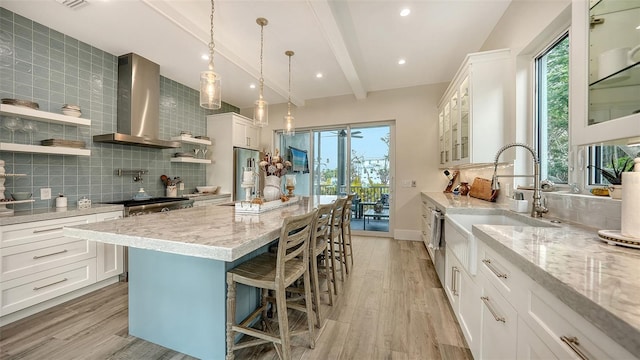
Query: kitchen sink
pixel 461 241
pixel 467 221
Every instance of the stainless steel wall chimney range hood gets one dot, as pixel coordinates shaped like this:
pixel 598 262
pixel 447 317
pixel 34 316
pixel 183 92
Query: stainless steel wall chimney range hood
pixel 138 105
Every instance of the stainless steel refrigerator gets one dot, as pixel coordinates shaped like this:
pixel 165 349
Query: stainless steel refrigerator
pixel 242 158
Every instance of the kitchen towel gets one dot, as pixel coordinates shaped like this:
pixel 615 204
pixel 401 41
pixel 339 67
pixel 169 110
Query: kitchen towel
pixel 436 229
pixel 630 226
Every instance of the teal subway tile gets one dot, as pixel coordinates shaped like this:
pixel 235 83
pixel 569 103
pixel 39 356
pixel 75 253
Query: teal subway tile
pixel 40 38
pixel 23 43
pixel 83 46
pixel 84 68
pixel 41 60
pixel 24 78
pixel 40 180
pixel 40 29
pixel 56 35
pixel 21 66
pixel 55 85
pixel 41 51
pixel 25 56
pixel 23 91
pixel 22 31
pixel 56 45
pixel 56 65
pixel 42 73
pixel 57 77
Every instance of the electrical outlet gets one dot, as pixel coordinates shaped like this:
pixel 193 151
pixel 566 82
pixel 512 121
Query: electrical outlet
pixel 413 183
pixel 181 186
pixel 45 193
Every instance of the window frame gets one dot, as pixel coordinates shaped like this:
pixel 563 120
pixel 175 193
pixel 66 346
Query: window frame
pixel 536 103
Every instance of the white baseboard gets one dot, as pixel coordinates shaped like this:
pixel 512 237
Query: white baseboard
pixel 411 235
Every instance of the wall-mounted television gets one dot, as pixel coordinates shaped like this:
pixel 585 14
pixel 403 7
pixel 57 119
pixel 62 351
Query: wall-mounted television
pixel 299 160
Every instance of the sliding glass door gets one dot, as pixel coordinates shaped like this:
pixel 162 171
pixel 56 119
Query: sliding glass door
pixel 349 160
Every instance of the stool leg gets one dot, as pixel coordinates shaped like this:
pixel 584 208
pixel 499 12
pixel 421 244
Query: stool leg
pixel 307 300
pixel 346 233
pixel 332 260
pixel 283 323
pixel 231 311
pixel 316 286
pixel 326 272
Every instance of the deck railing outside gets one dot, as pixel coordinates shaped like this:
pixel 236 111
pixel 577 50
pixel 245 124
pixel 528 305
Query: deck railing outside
pixel 366 194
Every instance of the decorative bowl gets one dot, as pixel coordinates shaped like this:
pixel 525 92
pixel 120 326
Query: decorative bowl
pixel 69 112
pixel 21 195
pixel 207 189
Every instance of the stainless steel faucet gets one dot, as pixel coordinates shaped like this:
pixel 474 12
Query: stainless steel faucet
pixel 537 209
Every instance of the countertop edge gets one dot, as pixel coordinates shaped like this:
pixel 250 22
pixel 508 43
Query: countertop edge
pixel 21 217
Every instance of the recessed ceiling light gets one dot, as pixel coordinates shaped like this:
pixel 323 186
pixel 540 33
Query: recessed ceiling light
pixel 205 57
pixel 319 75
pixel 638 27
pixel 252 86
pixel 402 62
pixel 405 12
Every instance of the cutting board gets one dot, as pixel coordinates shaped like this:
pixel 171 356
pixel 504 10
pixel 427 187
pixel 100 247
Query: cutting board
pixel 481 189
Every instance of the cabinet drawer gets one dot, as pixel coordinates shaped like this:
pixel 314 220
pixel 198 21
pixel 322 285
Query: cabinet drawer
pixel 19 234
pixel 21 260
pixel 32 289
pixel 500 273
pixel 565 332
pixel 499 326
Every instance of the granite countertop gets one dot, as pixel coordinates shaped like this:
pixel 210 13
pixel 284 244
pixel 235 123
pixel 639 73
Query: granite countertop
pixel 26 216
pixel 214 232
pixel 598 281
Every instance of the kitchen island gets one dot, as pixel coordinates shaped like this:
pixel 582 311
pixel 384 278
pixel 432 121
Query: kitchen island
pixel 177 270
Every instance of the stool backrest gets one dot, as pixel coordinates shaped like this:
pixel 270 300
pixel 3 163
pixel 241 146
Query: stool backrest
pixel 346 213
pixel 321 227
pixel 294 241
pixel 338 209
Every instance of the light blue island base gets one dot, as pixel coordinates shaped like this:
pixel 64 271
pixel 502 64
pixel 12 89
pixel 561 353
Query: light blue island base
pixel 179 301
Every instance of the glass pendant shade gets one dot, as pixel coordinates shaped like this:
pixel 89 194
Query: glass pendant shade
pixel 261 113
pixel 210 90
pixel 289 129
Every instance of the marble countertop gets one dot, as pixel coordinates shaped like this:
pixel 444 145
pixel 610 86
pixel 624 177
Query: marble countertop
pixel 214 232
pixel 598 281
pixel 26 216
pixel 201 197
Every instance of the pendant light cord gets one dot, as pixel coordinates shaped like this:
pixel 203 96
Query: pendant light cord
pixel 289 54
pixel 212 45
pixel 261 50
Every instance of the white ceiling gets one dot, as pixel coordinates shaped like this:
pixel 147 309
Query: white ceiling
pixel 356 44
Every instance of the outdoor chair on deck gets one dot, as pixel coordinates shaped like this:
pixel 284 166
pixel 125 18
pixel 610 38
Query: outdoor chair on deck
pixel 274 272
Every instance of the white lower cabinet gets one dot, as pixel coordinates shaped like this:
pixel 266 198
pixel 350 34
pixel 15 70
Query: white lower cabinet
pixel 522 320
pixel 499 325
pixel 530 347
pixel 463 294
pixel 38 263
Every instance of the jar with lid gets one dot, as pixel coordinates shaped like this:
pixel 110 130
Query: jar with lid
pixel 464 188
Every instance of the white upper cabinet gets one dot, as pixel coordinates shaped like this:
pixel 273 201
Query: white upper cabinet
pixel 472 113
pixel 605 71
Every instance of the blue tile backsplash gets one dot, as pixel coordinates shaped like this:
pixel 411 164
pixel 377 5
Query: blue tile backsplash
pixel 45 66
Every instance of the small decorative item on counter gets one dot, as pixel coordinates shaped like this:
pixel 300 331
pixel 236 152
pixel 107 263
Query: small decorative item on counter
pixel 600 191
pixel 614 175
pixel 290 184
pixel 456 194
pixel 61 201
pixel 84 203
pixel 172 191
pixel 464 188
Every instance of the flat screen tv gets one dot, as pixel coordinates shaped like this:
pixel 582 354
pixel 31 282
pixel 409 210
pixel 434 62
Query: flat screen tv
pixel 299 160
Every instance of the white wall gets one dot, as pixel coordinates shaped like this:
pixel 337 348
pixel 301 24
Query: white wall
pixel 414 110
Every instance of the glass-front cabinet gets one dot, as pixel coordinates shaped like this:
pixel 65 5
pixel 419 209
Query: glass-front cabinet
pixel 605 89
pixel 473 110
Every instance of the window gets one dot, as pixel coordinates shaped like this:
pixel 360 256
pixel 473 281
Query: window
pixel 552 110
pixel 607 162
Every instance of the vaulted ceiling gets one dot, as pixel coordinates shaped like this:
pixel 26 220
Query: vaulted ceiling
pixel 355 44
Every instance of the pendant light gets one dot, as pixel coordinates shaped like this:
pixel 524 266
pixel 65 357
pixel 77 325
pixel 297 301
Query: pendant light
pixel 289 129
pixel 210 92
pixel 261 109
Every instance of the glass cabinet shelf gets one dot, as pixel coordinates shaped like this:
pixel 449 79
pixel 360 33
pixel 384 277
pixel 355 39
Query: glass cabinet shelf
pixel 629 76
pixel 602 7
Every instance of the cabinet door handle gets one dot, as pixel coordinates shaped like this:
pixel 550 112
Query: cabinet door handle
pixel 493 269
pixel 499 318
pixel 454 280
pixel 53 283
pixel 46 230
pixel 55 253
pixel 574 344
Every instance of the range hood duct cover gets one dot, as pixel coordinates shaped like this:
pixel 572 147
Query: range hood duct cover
pixel 138 105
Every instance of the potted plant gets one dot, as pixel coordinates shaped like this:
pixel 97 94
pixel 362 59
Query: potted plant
pixel 614 176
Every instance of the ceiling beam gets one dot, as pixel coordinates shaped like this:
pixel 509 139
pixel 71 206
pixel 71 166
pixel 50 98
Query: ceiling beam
pixel 173 14
pixel 336 41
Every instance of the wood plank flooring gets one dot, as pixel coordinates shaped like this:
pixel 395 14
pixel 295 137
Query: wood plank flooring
pixel 391 306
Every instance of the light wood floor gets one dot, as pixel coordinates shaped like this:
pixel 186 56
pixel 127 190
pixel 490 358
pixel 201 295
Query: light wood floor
pixel 391 306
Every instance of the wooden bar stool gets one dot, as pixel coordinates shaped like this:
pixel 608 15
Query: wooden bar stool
pixel 335 239
pixel 275 273
pixel 347 253
pixel 318 246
